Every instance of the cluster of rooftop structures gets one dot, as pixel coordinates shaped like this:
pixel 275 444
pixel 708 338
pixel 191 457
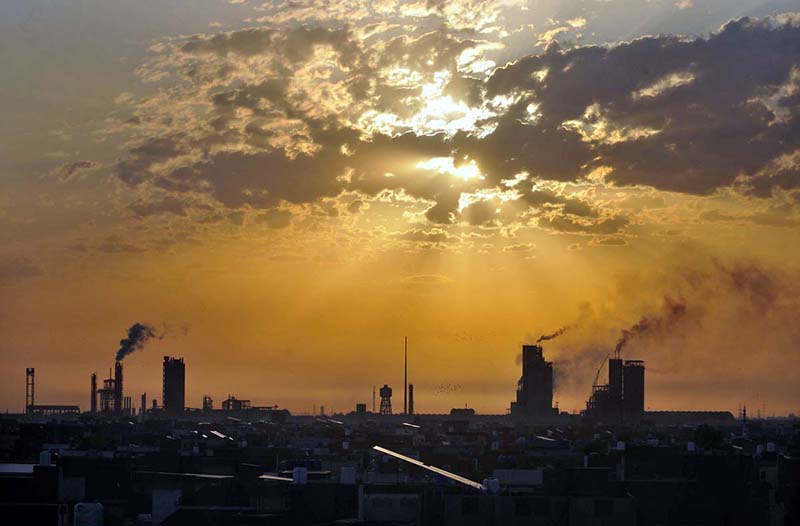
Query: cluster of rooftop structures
pixel 242 464
pixel 274 468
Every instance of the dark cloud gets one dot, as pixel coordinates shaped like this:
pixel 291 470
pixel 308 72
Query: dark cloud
pixel 673 113
pixel 74 170
pixel 561 223
pixel 116 245
pixel 610 241
pixel 679 114
pixel 294 45
pixel 168 205
pixel 275 218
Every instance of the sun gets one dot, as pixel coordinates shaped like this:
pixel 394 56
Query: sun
pixel 446 165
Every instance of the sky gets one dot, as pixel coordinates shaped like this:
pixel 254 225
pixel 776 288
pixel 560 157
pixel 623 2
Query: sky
pixel 284 190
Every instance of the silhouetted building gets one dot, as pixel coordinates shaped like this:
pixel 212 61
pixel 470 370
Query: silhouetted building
pixel 107 394
pixel 173 398
pixel 234 404
pixel 633 388
pixel 535 387
pixel 386 400
pixel 615 380
pixel 93 396
pixel 208 403
pixel 118 388
pixel 30 386
pixel 410 399
pixel 622 399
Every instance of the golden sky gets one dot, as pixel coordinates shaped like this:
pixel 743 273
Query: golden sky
pixel 290 188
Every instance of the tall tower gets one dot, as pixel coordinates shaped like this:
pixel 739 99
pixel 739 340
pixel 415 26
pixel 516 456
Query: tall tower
pixel 615 389
pixel 535 388
pixel 118 388
pixel 410 399
pixel 174 395
pixel 633 388
pixel 30 385
pixel 405 375
pixel 386 400
pixel 93 396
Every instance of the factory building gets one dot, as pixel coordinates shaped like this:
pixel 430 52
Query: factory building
pixel 622 399
pixel 174 386
pixel 535 387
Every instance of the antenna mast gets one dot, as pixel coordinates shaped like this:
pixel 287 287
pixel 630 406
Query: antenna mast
pixel 405 375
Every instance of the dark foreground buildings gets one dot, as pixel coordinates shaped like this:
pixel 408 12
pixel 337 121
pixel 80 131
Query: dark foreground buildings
pixel 247 465
pixel 273 469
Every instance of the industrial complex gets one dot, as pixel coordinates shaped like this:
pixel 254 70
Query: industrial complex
pixel 239 464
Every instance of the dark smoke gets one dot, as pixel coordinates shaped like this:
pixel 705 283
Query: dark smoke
pixel 559 332
pixel 138 335
pixel 674 311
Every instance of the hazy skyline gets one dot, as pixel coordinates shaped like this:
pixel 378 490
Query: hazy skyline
pixel 285 190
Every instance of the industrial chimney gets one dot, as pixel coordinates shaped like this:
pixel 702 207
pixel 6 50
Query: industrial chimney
pixel 118 388
pixel 93 399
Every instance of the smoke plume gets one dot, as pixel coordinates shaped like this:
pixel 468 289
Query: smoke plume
pixel 138 336
pixel 559 332
pixel 674 311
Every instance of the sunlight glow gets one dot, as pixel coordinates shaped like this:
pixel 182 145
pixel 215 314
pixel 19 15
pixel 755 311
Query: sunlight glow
pixel 446 165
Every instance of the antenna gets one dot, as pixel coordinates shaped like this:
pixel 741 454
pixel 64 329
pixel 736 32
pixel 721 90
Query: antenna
pixel 373 398
pixel 405 375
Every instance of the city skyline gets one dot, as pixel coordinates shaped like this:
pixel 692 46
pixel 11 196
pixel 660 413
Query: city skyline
pixel 282 192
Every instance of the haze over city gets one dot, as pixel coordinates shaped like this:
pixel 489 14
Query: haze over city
pixel 279 193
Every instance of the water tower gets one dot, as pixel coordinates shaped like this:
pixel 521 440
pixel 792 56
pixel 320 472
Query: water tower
pixel 386 400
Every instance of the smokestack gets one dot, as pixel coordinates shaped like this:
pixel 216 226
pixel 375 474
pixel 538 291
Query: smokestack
pixel 118 388
pixel 93 399
pixel 410 399
pixel 405 375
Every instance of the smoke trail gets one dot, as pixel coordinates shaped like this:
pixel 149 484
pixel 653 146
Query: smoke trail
pixel 559 332
pixel 673 312
pixel 138 335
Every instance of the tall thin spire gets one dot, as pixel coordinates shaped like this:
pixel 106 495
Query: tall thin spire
pixel 405 375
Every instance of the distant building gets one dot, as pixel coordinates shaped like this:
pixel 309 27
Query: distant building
pixel 174 395
pixel 234 404
pixel 386 400
pixel 535 387
pixel 622 399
